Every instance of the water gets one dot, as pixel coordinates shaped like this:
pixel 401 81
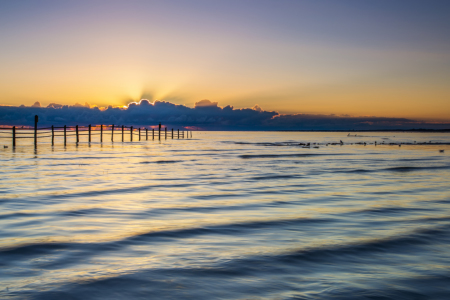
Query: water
pixel 227 215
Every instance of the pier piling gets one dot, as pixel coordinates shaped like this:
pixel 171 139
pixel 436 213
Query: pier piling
pixel 76 129
pixel 14 136
pixel 53 135
pixel 36 119
pixel 159 132
pixel 112 133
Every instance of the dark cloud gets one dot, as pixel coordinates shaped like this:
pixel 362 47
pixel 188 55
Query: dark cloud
pixel 205 115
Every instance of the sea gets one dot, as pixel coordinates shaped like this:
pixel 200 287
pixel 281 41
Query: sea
pixel 227 215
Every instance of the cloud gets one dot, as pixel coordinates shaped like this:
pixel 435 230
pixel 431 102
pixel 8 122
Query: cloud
pixel 36 104
pixel 206 115
pixel 257 108
pixel 81 105
pixel 205 103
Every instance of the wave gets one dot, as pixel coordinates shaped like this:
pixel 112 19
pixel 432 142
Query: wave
pixel 155 236
pixel 279 270
pixel 113 191
pixel 384 211
pixel 417 237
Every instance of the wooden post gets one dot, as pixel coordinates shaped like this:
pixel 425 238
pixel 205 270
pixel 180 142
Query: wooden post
pixel 165 131
pixel 36 119
pixel 178 133
pixel 159 132
pixel 122 133
pixel 112 133
pixel 139 134
pixel 146 134
pixel 131 133
pixel 153 133
pixel 53 136
pixel 101 133
pixel 89 135
pixel 65 135
pixel 77 134
pixel 14 136
pixel 172 133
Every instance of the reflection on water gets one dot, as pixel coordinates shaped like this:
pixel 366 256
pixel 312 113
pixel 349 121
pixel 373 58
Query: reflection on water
pixel 227 215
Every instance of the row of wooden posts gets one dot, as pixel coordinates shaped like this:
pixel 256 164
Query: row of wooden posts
pixel 77 134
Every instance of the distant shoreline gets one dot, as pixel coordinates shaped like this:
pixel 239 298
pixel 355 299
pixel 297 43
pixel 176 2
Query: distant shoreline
pixel 336 130
pixel 368 130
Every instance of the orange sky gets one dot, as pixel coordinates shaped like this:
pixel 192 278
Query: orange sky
pixel 289 57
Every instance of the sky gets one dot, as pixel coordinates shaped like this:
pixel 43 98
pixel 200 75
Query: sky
pixel 382 58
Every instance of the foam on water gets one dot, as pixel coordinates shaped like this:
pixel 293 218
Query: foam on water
pixel 228 215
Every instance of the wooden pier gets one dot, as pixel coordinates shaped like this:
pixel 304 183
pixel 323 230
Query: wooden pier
pixel 90 131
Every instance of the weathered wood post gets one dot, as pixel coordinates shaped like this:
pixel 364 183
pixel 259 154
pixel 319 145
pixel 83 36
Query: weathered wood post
pixel 112 133
pixel 14 136
pixel 165 132
pixel 101 133
pixel 131 133
pixel 146 134
pixel 53 135
pixel 178 133
pixel 89 135
pixel 36 119
pixel 172 133
pixel 139 134
pixel 153 133
pixel 159 132
pixel 122 133
pixel 76 128
pixel 65 135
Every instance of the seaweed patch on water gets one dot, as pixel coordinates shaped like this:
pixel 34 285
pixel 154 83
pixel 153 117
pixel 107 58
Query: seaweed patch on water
pixel 275 144
pixel 161 162
pixel 392 169
pixel 249 156
pixel 409 169
pixel 275 177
